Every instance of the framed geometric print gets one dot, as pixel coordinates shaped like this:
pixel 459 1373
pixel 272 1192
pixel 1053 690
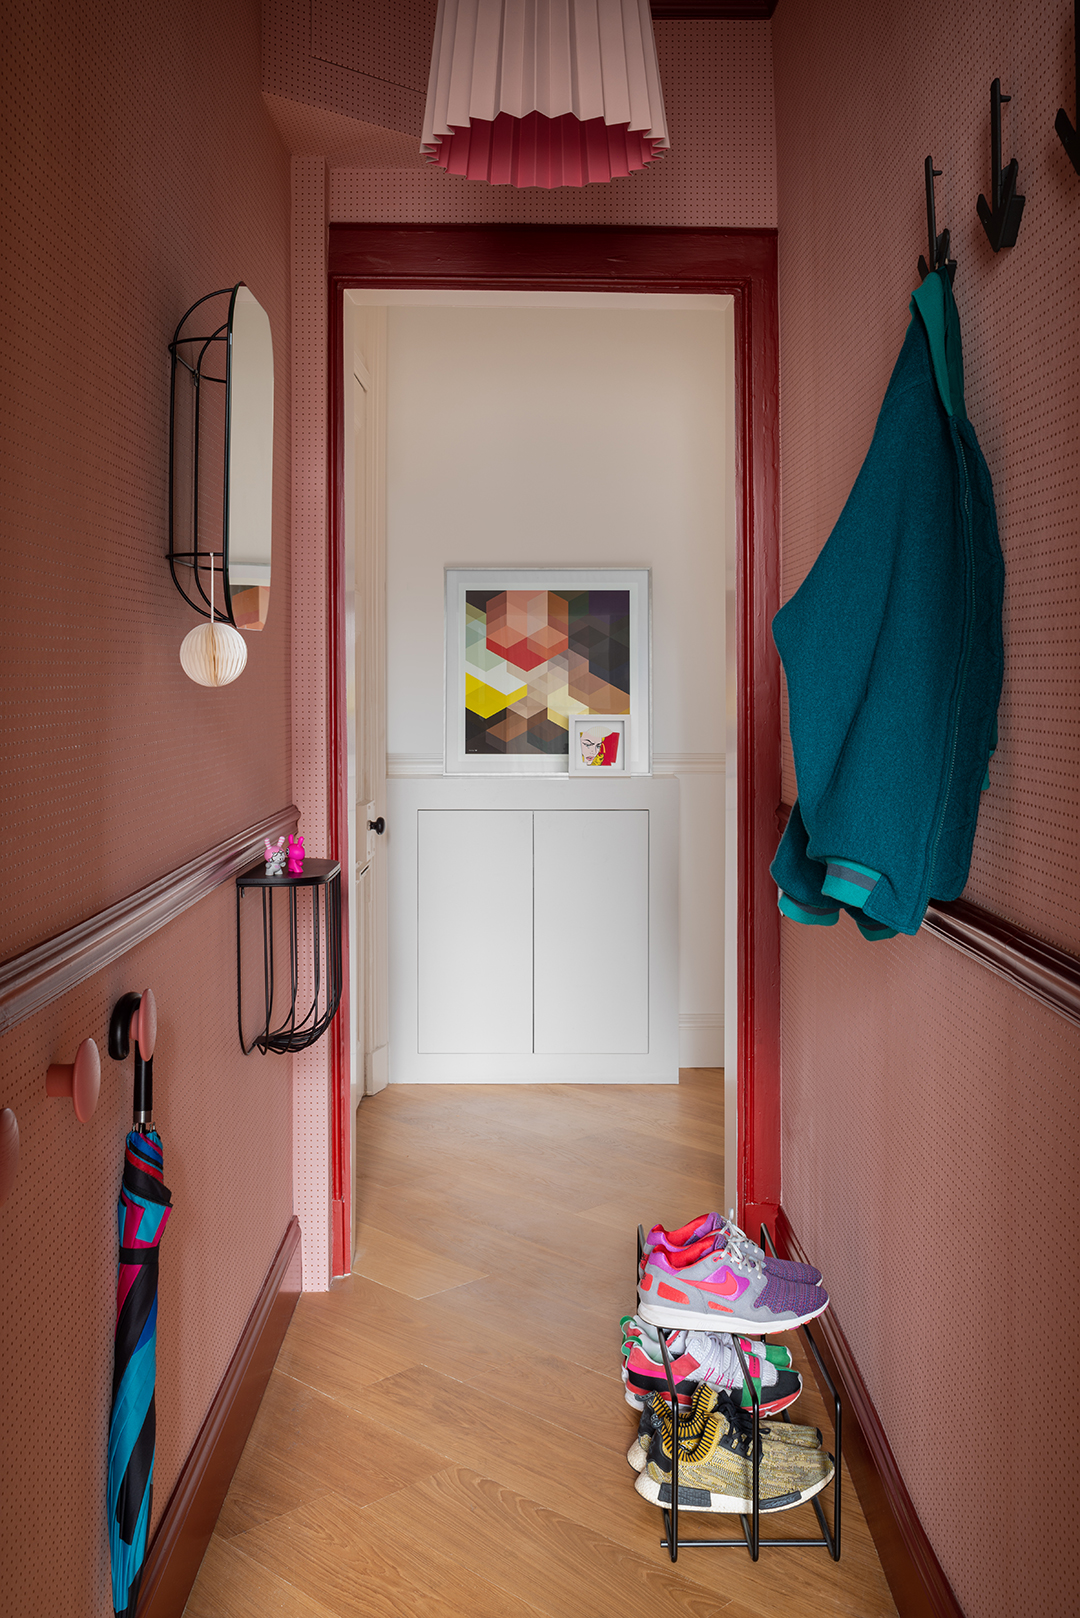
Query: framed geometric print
pixel 529 648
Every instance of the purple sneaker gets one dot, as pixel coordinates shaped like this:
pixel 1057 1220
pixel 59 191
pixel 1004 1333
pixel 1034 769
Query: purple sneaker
pixel 724 1289
pixel 708 1229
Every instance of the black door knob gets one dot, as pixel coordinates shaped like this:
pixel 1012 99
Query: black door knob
pixel 377 826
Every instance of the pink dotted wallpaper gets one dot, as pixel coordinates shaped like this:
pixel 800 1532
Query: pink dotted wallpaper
pixel 930 1122
pixel 141 170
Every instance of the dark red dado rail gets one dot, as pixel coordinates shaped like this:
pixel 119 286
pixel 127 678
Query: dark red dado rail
pixel 1040 969
pixel 29 981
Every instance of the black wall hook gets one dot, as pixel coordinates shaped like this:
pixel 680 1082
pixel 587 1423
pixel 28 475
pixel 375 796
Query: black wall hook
pixel 938 245
pixel 1002 221
pixel 1066 133
pixel 134 1022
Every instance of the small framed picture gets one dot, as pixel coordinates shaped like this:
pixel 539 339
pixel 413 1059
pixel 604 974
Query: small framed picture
pixel 599 742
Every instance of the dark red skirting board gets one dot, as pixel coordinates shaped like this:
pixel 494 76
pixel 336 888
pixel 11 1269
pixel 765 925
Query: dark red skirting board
pixel 185 1529
pixel 918 1584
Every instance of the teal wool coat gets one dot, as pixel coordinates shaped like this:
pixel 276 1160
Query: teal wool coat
pixel 893 656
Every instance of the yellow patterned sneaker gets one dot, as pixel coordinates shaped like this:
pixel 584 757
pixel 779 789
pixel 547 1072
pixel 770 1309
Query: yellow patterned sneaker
pixel 716 1473
pixel 691 1425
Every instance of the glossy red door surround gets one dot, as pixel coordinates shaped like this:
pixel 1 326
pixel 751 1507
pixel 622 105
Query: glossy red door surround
pixel 337 798
pixel 741 263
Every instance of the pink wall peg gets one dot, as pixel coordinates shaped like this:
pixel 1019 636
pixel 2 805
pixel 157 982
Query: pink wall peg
pixel 81 1080
pixel 9 1152
pixel 144 1024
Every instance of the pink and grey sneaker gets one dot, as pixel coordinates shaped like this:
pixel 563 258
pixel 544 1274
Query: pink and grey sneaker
pixel 711 1227
pixel 700 1357
pixel 633 1327
pixel 724 1289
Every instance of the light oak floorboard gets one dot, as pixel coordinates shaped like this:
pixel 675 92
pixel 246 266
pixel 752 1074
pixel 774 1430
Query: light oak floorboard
pixel 323 1351
pixel 569 1568
pixel 358 1569
pixel 409 1266
pixel 566 1472
pixel 445 1434
pixel 230 1582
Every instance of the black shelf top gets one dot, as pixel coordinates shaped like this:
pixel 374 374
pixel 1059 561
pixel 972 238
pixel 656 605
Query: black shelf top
pixel 316 874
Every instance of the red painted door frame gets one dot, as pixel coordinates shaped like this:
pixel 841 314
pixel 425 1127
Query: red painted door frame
pixel 741 263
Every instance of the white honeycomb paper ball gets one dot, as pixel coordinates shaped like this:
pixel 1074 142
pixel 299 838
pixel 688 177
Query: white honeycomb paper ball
pixel 213 654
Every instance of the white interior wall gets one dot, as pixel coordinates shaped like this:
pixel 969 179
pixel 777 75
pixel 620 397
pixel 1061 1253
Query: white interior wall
pixel 557 434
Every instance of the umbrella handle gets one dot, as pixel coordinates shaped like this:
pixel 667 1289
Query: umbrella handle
pixel 143 1116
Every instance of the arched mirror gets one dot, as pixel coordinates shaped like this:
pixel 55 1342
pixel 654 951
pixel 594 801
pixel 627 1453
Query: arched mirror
pixel 221 457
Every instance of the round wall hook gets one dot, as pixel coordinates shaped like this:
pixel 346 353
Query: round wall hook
pixel 134 1017
pixel 9 1152
pixel 81 1080
pixel 144 1025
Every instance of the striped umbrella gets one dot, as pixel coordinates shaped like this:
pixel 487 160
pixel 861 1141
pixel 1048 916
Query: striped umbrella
pixel 144 1207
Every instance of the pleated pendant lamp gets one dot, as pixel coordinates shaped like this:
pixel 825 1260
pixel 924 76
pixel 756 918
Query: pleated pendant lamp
pixel 544 92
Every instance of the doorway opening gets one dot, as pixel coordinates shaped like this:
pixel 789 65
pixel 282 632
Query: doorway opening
pixel 737 268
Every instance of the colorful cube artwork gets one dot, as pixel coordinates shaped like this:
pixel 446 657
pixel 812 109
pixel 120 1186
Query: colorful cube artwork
pixel 534 657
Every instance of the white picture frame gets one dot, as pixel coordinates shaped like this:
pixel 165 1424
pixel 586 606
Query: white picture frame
pixel 592 752
pixel 598 672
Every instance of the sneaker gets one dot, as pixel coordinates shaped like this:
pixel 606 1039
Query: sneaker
pixel 702 1357
pixel 690 1427
pixel 724 1287
pixel 716 1468
pixel 633 1327
pixel 713 1225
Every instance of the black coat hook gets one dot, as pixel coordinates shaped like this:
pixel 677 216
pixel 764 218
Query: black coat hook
pixel 1001 222
pixel 1066 133
pixel 938 245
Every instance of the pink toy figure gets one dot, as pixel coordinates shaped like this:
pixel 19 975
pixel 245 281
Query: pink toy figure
pixel 296 855
pixel 275 857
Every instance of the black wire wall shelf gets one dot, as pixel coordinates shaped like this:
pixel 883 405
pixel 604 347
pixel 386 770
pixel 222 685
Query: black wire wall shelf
pixel 315 967
pixel 751 1539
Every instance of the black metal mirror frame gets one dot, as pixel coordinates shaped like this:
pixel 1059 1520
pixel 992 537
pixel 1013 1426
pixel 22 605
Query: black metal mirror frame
pixel 194 356
pixel 198 375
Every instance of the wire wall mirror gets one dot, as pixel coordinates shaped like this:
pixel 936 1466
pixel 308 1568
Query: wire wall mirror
pixel 221 456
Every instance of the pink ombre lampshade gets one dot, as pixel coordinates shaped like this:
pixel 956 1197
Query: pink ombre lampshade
pixel 544 92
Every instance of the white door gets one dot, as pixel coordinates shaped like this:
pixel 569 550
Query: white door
pixel 365 495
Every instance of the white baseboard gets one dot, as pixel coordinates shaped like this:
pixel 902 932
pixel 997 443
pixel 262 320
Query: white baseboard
pixel 701 1044
pixel 378 1070
pixel 701 1039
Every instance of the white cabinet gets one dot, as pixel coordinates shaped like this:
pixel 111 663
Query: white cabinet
pixel 533 931
pixel 591 932
pixel 474 933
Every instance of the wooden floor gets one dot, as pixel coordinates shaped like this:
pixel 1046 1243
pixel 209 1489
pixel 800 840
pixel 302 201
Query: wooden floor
pixel 445 1431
